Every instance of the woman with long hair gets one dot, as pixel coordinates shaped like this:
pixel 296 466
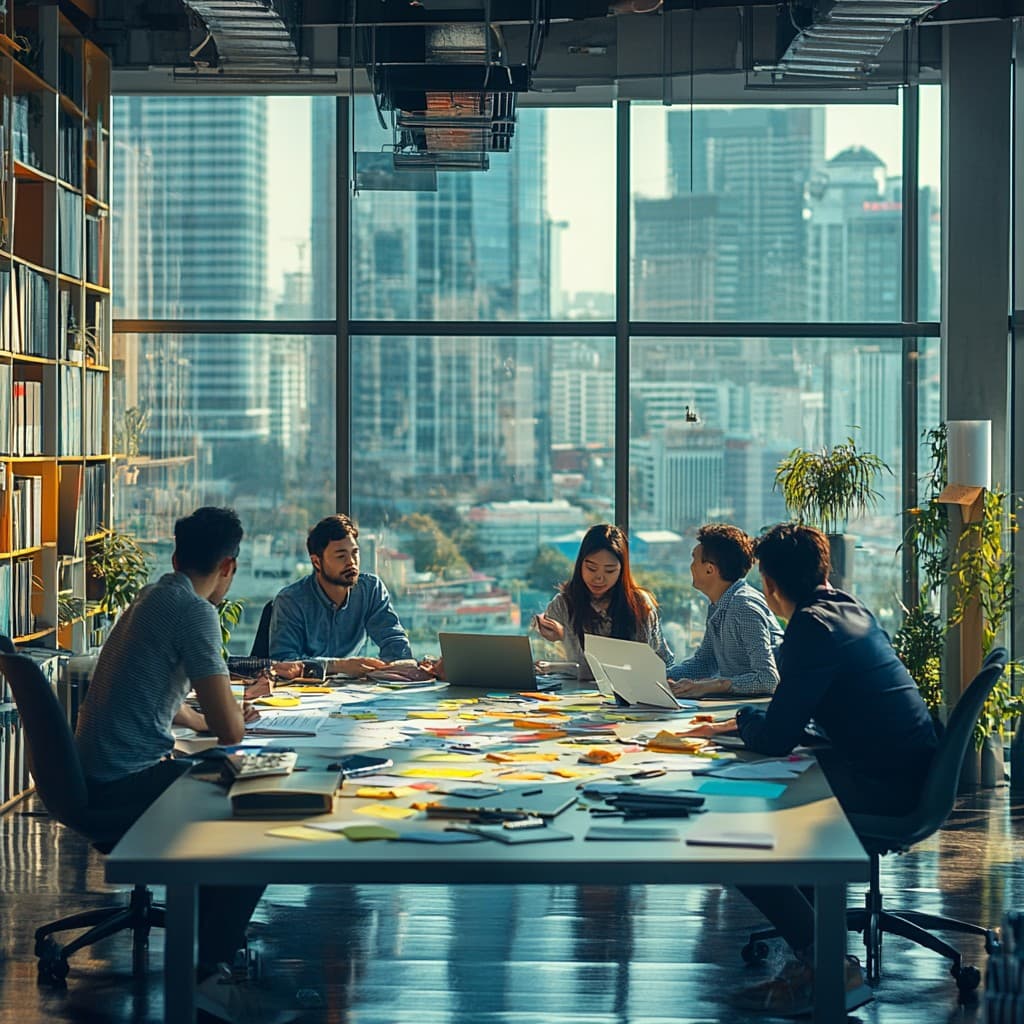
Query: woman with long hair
pixel 603 599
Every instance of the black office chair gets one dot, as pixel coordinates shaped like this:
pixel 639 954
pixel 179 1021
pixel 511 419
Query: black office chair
pixel 60 784
pixel 261 641
pixel 883 834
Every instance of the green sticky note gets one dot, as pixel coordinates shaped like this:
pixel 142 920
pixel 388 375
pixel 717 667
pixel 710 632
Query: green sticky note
pixel 357 833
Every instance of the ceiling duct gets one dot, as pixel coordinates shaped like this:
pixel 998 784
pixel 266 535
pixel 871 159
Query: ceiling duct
pixel 248 38
pixel 846 38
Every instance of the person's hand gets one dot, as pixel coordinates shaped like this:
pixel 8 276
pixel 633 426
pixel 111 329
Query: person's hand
pixel 404 672
pixel 354 666
pixel 434 667
pixel 287 669
pixel 249 713
pixel 548 627
pixel 710 729
pixel 698 687
pixel 261 686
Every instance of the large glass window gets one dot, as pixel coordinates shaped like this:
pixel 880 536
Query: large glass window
pixel 766 213
pixel 239 420
pixel 531 238
pixel 710 419
pixel 219 203
pixel 477 464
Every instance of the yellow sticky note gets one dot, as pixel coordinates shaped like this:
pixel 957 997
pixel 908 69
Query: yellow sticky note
pixel 387 811
pixel 571 773
pixel 441 773
pixel 385 792
pixel 509 756
pixel 278 702
pixel 522 777
pixel 427 714
pixel 302 832
pixel 469 716
pixel 309 689
pixel 444 758
pixel 357 833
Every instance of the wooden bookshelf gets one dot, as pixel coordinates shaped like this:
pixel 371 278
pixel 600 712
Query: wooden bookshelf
pixel 55 465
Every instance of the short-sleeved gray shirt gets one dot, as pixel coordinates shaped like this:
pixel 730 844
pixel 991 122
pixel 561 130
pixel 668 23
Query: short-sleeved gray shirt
pixel 167 637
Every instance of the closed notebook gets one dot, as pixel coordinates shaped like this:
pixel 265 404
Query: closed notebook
pixel 284 796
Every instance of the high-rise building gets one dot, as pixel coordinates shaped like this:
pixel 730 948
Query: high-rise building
pixel 200 236
pixel 756 161
pixel 467 415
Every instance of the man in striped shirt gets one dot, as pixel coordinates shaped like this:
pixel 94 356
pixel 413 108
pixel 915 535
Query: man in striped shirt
pixel 164 644
pixel 737 654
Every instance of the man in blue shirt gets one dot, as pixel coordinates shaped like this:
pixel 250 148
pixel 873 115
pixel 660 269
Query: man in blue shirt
pixel 328 615
pixel 741 634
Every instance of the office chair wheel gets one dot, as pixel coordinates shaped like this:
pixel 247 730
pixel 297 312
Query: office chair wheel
pixel 52 968
pixel 754 952
pixel 967 978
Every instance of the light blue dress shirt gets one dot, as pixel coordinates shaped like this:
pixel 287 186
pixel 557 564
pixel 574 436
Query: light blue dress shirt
pixel 306 624
pixel 739 643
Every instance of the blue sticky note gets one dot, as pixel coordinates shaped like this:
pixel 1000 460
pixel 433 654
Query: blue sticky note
pixel 739 787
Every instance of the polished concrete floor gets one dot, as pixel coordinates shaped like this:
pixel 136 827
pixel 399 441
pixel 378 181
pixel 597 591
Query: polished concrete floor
pixel 500 954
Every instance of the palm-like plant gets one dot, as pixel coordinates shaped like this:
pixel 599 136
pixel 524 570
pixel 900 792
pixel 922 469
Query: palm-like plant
pixel 828 487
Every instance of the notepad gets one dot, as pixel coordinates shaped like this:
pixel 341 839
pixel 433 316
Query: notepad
pixel 714 836
pixel 284 796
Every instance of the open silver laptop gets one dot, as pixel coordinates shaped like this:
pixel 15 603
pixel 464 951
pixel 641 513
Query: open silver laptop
pixel 491 661
pixel 630 672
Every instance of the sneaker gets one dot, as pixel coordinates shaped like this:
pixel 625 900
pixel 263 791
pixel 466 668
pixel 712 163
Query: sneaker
pixel 791 992
pixel 222 999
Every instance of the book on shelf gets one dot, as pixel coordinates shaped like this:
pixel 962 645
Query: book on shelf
pixel 95 409
pixel 70 510
pixel 26 417
pixel 26 512
pixel 69 426
pixel 22 621
pixel 96 506
pixel 6 395
pixel 69 232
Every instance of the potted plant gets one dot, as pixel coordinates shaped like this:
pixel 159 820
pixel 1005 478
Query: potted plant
pixel 828 487
pixel 978 571
pixel 118 569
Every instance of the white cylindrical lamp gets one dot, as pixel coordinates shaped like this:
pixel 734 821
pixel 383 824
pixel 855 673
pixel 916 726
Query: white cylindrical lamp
pixel 969 451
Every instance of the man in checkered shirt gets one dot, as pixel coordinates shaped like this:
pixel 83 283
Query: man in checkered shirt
pixel 737 653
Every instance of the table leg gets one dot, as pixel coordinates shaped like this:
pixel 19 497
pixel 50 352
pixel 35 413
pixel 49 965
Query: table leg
pixel 180 953
pixel 829 953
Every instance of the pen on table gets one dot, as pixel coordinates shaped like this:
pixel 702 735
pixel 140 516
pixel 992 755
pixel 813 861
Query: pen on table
pixel 531 792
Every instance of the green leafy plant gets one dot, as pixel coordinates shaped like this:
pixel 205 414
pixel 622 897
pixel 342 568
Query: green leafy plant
pixel 123 568
pixel 229 612
pixel 826 488
pixel 918 643
pixel 978 570
pixel 129 431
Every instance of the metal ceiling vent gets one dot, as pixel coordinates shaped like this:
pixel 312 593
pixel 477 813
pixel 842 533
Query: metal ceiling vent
pixel 250 37
pixel 845 41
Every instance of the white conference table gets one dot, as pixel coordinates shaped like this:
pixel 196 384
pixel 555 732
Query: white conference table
pixel 188 838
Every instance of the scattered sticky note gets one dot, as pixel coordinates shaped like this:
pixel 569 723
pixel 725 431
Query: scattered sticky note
pixel 427 714
pixel 522 777
pixel 519 756
pixel 301 832
pixel 278 702
pixel 387 811
pixel 599 755
pixel 441 772
pixel 359 833
pixel 309 689
pixel 736 787
pixel 384 792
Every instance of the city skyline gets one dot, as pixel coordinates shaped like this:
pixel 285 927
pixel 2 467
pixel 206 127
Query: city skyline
pixel 587 256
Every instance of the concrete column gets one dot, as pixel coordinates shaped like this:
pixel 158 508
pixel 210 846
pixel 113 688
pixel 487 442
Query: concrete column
pixel 976 186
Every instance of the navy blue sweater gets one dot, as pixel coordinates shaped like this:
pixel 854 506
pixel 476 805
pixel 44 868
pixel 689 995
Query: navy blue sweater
pixel 837 666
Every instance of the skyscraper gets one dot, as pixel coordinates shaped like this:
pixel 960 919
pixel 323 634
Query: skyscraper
pixel 465 416
pixel 200 236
